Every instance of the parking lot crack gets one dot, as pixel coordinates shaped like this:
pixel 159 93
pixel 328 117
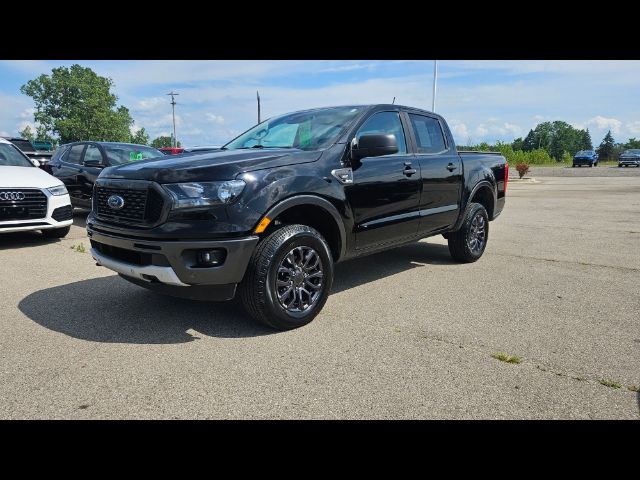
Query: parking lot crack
pixel 555 260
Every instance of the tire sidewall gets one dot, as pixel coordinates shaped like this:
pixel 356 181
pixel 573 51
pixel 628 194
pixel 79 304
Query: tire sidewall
pixel 309 238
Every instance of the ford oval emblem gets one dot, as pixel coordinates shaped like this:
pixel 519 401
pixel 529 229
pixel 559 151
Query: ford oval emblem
pixel 115 202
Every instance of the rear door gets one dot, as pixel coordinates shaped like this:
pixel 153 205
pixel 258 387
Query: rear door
pixel 441 170
pixel 69 168
pixel 88 174
pixel 385 192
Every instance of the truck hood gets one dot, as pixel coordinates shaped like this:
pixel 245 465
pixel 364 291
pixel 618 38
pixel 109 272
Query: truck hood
pixel 209 166
pixel 26 177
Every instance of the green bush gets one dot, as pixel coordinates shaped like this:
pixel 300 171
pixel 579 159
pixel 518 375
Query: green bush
pixel 514 157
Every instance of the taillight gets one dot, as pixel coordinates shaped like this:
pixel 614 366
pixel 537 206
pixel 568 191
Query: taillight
pixel 506 176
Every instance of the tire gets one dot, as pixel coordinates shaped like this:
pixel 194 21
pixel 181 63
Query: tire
pixel 269 263
pixel 573 166
pixel 56 232
pixel 591 165
pixel 619 165
pixel 460 247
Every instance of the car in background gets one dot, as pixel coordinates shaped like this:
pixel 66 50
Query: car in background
pixel 171 150
pixel 629 157
pixel 203 148
pixel 78 164
pixel 31 199
pixel 43 146
pixel 43 157
pixel 585 157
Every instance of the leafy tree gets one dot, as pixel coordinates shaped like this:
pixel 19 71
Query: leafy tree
pixel 42 135
pixel 27 133
pixel 77 104
pixel 632 143
pixel 164 141
pixel 556 138
pixel 607 146
pixel 518 144
pixel 141 137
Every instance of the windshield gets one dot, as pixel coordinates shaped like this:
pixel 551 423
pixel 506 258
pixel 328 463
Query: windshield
pixel 634 151
pixel 311 130
pixel 585 152
pixel 10 156
pixel 119 154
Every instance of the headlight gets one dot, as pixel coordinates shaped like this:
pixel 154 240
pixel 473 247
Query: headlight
pixel 58 190
pixel 202 194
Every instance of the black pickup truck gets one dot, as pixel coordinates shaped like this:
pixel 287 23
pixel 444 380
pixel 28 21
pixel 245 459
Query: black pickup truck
pixel 272 211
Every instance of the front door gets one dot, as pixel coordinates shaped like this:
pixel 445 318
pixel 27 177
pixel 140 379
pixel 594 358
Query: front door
pixel 385 192
pixel 88 174
pixel 441 174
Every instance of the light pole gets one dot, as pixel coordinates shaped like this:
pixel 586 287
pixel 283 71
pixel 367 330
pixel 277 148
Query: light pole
pixel 258 98
pixel 173 110
pixel 435 82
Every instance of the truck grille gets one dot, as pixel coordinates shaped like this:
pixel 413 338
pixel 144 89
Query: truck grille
pixel 141 205
pixel 22 204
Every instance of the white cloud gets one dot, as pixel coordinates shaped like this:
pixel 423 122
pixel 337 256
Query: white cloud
pixel 219 119
pixel 602 123
pixel 634 127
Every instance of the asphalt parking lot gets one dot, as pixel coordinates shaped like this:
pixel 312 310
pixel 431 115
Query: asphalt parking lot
pixel 405 334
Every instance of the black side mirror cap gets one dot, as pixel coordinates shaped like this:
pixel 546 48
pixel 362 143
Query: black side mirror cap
pixel 375 145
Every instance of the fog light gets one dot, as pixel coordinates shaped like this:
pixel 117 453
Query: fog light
pixel 210 258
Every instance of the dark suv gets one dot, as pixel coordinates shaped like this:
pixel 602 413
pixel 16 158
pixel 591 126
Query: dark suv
pixel 79 164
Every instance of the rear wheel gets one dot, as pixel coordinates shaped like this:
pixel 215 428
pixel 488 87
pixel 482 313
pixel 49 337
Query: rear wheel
pixel 467 244
pixel 56 232
pixel 573 166
pixel 289 277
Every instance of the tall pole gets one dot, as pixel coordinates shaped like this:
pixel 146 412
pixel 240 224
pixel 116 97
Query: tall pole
pixel 173 110
pixel 258 97
pixel 435 82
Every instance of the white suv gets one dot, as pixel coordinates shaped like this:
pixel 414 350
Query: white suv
pixel 30 198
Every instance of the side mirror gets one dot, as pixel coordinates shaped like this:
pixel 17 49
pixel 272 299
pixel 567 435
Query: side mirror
pixel 35 162
pixel 375 145
pixel 94 163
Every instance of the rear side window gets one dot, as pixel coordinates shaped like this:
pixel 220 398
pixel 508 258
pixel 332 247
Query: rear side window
pixel 75 154
pixel 428 132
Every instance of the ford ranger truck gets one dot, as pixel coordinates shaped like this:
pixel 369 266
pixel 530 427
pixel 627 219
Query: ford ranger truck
pixel 266 217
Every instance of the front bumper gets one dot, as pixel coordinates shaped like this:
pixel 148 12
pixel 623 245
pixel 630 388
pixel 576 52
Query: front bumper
pixel 59 215
pixel 629 161
pixel 583 161
pixel 171 263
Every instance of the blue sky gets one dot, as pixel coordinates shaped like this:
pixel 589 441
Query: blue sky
pixel 481 100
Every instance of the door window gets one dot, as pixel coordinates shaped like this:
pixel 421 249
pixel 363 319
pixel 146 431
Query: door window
pixel 428 134
pixel 93 154
pixel 385 123
pixel 75 154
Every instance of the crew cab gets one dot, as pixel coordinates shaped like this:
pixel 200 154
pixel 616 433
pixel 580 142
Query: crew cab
pixel 30 198
pixel 78 164
pixel 269 214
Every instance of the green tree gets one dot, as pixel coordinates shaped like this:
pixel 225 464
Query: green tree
pixel 77 104
pixel 518 144
pixel 556 138
pixel 632 143
pixel 141 137
pixel 586 143
pixel 164 141
pixel 27 133
pixel 607 146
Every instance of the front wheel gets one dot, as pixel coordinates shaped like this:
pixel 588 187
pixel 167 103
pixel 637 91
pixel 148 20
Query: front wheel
pixel 467 244
pixel 288 278
pixel 56 232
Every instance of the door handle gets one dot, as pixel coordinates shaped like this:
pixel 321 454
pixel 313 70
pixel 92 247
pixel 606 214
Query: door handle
pixel 451 167
pixel 409 171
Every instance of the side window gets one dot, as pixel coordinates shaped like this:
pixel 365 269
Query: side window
pixel 385 122
pixel 428 134
pixel 93 154
pixel 74 154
